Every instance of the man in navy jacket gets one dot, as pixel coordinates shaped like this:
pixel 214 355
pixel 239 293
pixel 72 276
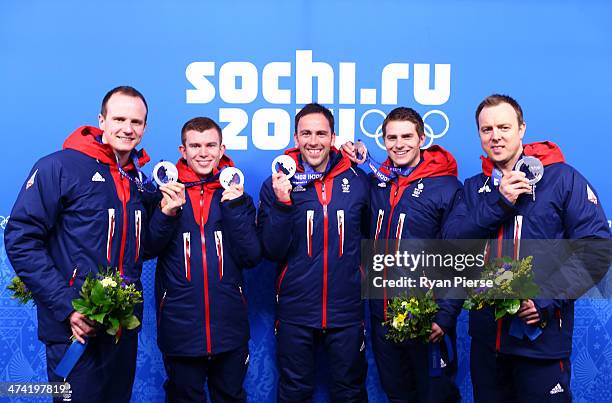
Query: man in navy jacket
pixel 203 329
pixel 79 210
pixel 414 204
pixel 313 229
pixel 500 204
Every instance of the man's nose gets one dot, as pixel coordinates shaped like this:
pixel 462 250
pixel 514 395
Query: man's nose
pixel 127 127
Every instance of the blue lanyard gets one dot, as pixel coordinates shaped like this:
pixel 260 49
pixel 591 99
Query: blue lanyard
pixel 309 174
pixel 375 167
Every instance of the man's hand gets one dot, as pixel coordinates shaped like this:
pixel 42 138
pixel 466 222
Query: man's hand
pixel 282 187
pixel 528 312
pixel 348 148
pixel 173 198
pixel 81 326
pixel 513 185
pixel 232 192
pixel 436 333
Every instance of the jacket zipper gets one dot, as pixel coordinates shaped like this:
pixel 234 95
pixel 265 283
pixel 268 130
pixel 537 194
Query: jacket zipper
pixel 325 254
pixel 205 271
pixel 125 221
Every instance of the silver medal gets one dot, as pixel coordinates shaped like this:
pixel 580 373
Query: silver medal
pixel 532 167
pixel 361 152
pixel 231 176
pixel 165 172
pixel 285 164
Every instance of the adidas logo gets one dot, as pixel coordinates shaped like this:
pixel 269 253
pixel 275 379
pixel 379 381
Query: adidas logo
pixel 556 389
pixel 98 178
pixel 442 363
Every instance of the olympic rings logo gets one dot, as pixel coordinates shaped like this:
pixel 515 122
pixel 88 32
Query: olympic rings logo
pixel 429 132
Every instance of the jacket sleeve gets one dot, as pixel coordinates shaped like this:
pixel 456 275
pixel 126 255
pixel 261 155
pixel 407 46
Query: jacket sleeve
pixel 33 218
pixel 274 225
pixel 449 310
pixel 159 231
pixel 479 218
pixel 587 229
pixel 238 218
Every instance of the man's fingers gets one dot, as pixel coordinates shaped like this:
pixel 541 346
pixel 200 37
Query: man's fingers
pixel 77 336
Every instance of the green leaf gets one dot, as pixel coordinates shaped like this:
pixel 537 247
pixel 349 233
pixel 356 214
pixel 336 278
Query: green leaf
pixel 513 306
pixel 98 296
pixel 468 304
pixel 131 323
pixel 98 317
pixel 114 322
pixel 80 305
pixel 499 313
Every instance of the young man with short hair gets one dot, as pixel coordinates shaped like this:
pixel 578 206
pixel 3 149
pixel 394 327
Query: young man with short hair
pixel 203 328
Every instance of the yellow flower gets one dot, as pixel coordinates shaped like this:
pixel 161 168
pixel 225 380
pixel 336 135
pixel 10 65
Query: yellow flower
pixel 398 320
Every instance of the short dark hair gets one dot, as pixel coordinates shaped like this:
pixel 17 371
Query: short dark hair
pixel 497 99
pixel 404 114
pixel 125 90
pixel 315 108
pixel 200 124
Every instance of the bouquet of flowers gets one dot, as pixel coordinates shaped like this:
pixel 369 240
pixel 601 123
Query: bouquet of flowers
pixel 411 317
pixel 109 300
pixel 511 279
pixel 20 291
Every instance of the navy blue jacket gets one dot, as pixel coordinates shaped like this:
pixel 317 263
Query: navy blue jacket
pixel 565 207
pixel 201 306
pixel 416 207
pixel 316 239
pixel 74 214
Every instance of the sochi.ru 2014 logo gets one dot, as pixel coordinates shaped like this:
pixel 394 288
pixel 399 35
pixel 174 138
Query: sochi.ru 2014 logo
pixel 261 93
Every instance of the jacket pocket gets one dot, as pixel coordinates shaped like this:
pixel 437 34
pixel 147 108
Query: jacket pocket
pixel 110 233
pixel 341 230
pixel 399 230
pixel 309 230
pixel 219 248
pixel 137 231
pixel 279 281
pixel 187 254
pixel 161 307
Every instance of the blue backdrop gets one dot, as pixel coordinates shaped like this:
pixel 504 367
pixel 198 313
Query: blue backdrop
pixel 251 64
